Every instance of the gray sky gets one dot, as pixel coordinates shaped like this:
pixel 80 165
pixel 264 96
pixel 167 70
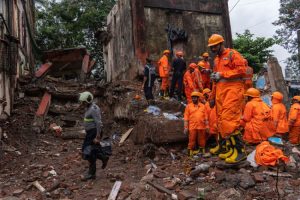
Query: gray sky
pixel 257 16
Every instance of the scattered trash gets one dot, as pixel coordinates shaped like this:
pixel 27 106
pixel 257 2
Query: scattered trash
pixel 56 129
pixel 251 159
pixel 53 172
pixel 153 110
pixel 173 156
pixel 295 150
pixel 170 116
pixel 204 167
pixel 275 140
pixel 283 174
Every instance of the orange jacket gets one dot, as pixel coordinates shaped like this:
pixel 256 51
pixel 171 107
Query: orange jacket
pixel 231 65
pixel 197 80
pixel 268 155
pixel 195 117
pixel 257 121
pixel 294 115
pixel 188 81
pixel 205 75
pixel 279 117
pixel 163 66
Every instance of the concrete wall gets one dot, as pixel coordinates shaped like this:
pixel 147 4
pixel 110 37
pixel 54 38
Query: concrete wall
pixel 197 25
pixel 119 53
pixel 138 30
pixel 15 48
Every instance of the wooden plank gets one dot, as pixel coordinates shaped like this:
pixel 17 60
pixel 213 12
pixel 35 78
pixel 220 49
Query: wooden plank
pixel 43 69
pixel 115 190
pixel 85 63
pixel 125 135
pixel 44 105
pixel 160 188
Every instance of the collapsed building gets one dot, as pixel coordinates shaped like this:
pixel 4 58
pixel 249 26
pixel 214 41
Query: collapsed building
pixel 138 28
pixel 16 48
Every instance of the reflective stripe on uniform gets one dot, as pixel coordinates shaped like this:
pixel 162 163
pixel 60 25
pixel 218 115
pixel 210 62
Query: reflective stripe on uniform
pixel 88 120
pixel 225 80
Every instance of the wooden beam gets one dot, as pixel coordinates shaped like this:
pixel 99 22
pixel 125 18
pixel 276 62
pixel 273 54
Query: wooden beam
pixel 125 135
pixel 115 190
pixel 43 69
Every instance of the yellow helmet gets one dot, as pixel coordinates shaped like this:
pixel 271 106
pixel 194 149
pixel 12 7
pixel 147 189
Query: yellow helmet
pixel 296 98
pixel 206 91
pixel 215 39
pixel 252 92
pixel 197 94
pixel 277 95
pixel 166 52
pixel 205 54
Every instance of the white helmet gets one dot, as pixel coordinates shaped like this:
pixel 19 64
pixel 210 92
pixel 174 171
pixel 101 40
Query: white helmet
pixel 86 96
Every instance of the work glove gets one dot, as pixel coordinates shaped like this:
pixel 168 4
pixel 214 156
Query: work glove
pixel 216 76
pixel 185 132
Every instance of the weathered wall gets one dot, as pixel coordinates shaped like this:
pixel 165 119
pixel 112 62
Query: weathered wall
pixel 138 29
pixel 15 47
pixel 198 26
pixel 119 53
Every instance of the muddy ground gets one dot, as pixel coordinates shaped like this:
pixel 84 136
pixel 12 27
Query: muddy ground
pixel 28 156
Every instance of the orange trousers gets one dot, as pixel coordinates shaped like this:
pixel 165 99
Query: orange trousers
pixel 197 136
pixel 294 134
pixel 229 102
pixel 164 83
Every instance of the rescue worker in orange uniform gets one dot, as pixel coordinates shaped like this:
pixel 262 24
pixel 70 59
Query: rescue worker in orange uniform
pixel 227 95
pixel 188 82
pixel 197 78
pixel 256 120
pixel 279 114
pixel 249 76
pixel 211 114
pixel 196 124
pixel 294 121
pixel 205 70
pixel 164 69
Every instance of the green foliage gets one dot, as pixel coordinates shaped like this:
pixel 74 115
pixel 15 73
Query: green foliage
pixel 289 23
pixel 71 23
pixel 255 50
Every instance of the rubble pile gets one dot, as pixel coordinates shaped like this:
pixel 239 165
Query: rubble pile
pixel 149 158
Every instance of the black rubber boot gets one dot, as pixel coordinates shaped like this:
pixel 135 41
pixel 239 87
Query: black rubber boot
pixel 91 172
pixel 104 162
pixel 239 153
pixel 220 148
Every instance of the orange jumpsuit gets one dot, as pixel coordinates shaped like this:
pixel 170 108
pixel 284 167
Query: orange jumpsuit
pixel 189 85
pixel 228 92
pixel 294 122
pixel 195 119
pixel 205 73
pixel 197 80
pixel 279 117
pixel 212 121
pixel 164 69
pixel 248 78
pixel 257 121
